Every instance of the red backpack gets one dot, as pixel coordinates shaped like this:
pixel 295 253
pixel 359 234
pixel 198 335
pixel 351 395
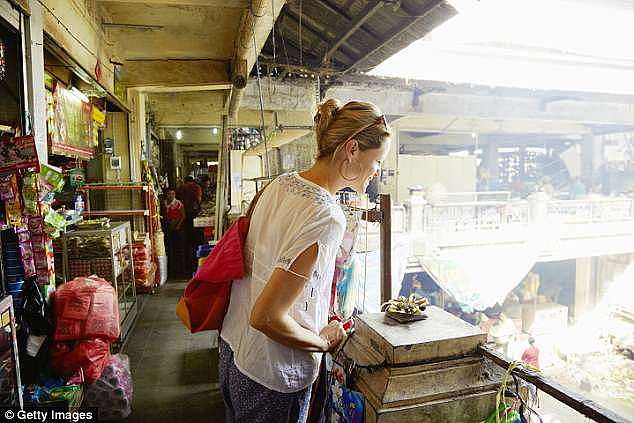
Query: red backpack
pixel 204 303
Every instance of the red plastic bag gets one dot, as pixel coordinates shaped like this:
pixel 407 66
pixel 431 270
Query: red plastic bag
pixel 89 356
pixel 86 308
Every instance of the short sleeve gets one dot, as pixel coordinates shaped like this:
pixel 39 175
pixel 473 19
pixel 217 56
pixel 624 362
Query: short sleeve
pixel 325 231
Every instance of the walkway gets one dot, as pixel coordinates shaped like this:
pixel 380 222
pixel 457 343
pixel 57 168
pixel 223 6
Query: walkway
pixel 174 373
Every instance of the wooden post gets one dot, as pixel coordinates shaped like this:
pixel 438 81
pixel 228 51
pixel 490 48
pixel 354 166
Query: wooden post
pixel 385 203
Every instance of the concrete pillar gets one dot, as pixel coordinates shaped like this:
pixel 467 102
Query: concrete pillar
pixel 583 287
pixel 591 159
pixel 137 131
pixel 491 157
pixel 36 92
pixel 221 178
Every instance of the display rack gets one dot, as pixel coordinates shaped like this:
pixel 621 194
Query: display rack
pixel 115 264
pixel 121 201
pixel 10 384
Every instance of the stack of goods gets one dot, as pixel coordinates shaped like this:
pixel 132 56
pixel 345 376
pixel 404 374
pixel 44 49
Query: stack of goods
pixel 202 252
pixel 14 273
pixel 161 255
pixel 87 321
pixel 89 255
pixel 54 393
pixel 144 269
pixel 111 394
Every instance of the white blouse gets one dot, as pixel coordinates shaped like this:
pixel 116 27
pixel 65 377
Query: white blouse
pixel 291 215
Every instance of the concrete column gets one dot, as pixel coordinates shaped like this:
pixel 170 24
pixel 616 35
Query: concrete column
pixel 36 92
pixel 492 158
pixel 591 159
pixel 583 287
pixel 137 131
pixel 221 178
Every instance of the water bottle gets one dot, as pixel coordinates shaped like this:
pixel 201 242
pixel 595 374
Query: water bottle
pixel 79 204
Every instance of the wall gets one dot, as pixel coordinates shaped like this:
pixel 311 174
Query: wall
pixel 76 27
pixel 298 155
pixel 117 129
pixel 455 174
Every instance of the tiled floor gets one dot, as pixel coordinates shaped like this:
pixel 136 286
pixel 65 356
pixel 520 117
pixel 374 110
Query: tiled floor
pixel 174 373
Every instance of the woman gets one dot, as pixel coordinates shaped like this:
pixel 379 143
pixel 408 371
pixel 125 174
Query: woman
pixel 175 216
pixel 276 325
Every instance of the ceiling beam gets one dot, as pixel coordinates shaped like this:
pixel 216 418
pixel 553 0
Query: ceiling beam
pixel 315 32
pixel 397 31
pixel 344 14
pixel 235 4
pixel 175 74
pixel 370 9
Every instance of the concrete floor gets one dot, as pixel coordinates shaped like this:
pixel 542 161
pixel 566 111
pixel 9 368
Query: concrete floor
pixel 175 373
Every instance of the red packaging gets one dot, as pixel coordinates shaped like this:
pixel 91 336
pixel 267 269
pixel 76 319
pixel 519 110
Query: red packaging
pixel 86 308
pixel 89 356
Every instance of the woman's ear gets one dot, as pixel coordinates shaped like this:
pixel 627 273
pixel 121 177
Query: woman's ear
pixel 352 148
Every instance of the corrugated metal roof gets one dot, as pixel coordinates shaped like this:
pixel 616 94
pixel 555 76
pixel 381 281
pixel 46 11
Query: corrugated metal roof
pixel 347 35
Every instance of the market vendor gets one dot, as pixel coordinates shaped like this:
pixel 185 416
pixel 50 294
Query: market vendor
pixel 191 195
pixel 175 216
pixel 276 325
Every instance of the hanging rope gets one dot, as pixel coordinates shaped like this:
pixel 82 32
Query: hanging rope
pixel 258 78
pixel 301 49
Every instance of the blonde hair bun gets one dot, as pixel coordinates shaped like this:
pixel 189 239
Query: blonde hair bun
pixel 326 112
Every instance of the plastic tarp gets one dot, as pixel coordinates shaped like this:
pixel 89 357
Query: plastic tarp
pixel 480 277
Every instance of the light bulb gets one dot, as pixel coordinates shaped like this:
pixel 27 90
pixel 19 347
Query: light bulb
pixel 179 134
pixel 214 130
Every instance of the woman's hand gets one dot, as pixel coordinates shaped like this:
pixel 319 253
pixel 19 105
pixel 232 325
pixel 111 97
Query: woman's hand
pixel 334 334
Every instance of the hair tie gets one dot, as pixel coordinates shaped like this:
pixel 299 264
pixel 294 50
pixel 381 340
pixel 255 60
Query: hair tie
pixel 334 111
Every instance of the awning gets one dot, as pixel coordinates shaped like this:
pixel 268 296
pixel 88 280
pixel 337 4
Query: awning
pixel 479 278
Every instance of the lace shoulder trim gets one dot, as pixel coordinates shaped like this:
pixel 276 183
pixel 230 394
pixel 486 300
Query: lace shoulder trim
pixel 291 183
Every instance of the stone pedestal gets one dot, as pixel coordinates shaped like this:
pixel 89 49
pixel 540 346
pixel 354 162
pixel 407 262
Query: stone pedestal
pixel 432 370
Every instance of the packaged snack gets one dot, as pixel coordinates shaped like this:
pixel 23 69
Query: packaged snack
pixel 36 225
pixel 6 187
pixel 51 177
pixel 23 234
pixel 13 211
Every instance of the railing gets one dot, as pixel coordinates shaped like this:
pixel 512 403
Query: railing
pixel 500 215
pixel 590 211
pixel 573 400
pixel 484 215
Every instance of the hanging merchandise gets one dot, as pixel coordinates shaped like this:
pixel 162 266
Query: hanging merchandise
pixel 3 60
pixel 51 177
pixel 18 153
pixel 77 177
pixel 71 127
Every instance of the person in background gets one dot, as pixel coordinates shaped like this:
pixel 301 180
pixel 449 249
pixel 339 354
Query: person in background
pixel 276 327
pixel 175 218
pixel 577 189
pixel 191 195
pixel 531 354
pixel 531 357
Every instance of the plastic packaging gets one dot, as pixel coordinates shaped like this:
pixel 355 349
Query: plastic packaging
pixel 79 204
pixel 86 308
pixel 89 356
pixel 112 392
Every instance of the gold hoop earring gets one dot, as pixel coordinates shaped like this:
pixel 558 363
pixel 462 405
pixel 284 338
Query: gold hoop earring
pixel 344 176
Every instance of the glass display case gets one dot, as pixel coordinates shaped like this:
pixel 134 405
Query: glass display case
pixel 107 253
pixel 10 390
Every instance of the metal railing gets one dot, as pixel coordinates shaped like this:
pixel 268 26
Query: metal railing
pixel 589 211
pixel 577 402
pixel 500 215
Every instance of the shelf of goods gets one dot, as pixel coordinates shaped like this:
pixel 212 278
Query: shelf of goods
pixel 106 253
pixel 122 202
pixel 132 202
